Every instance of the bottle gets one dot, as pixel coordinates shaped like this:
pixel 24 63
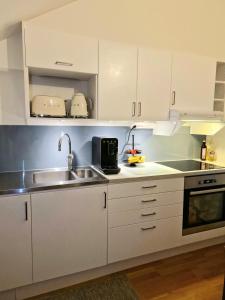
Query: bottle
pixel 203 150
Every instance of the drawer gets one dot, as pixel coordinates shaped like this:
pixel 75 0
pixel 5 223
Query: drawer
pixel 144 215
pixel 147 187
pixel 138 202
pixel 140 239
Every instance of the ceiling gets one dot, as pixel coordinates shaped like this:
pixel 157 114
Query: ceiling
pixel 14 11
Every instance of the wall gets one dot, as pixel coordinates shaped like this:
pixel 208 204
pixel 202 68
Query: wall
pixel 218 143
pixel 36 147
pixel 194 26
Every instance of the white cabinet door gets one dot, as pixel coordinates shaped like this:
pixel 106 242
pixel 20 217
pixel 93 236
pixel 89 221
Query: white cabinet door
pixel 56 50
pixel 117 81
pixel 154 85
pixel 15 245
pixel 69 231
pixel 193 80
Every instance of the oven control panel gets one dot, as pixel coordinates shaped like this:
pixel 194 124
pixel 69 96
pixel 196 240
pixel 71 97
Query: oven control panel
pixel 208 180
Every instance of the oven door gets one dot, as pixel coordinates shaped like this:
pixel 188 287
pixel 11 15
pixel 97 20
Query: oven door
pixel 203 209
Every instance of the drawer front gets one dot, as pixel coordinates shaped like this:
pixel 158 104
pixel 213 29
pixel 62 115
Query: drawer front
pixel 138 202
pixel 144 215
pixel 140 239
pixel 145 187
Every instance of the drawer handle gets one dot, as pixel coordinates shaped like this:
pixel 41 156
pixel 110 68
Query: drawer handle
pixel 149 200
pixel 26 211
pixel 148 228
pixel 62 63
pixel 149 187
pixel 148 214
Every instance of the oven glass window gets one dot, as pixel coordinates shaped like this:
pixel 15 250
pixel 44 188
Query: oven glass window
pixel 205 208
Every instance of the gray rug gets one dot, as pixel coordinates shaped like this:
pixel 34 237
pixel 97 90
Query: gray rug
pixel 114 287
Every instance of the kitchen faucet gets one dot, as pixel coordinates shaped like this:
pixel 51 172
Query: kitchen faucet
pixel 70 156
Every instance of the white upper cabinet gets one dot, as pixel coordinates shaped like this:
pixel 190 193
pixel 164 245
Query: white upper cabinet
pixel 117 81
pixel 193 80
pixel 15 245
pixel 154 85
pixel 50 49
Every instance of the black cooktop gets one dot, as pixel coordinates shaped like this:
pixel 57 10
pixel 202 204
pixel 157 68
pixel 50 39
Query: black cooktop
pixel 188 165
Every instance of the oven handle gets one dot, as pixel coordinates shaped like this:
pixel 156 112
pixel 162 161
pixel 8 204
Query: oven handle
pixel 207 191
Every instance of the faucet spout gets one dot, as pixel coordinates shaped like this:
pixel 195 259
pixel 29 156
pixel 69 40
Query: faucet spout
pixel 70 156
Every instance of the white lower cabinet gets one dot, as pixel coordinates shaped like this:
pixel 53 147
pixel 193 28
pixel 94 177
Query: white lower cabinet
pixel 15 245
pixel 69 231
pixel 149 222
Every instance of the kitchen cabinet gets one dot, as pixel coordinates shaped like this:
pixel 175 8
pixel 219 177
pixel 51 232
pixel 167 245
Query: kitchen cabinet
pixel 117 81
pixel 154 85
pixel 69 231
pixel 15 246
pixel 49 49
pixel 134 84
pixel 144 217
pixel 193 80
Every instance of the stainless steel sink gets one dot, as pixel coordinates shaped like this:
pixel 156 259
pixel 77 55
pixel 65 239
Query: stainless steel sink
pixel 86 173
pixel 79 175
pixel 54 176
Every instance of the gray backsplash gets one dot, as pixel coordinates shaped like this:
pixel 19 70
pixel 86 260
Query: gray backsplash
pixel 35 147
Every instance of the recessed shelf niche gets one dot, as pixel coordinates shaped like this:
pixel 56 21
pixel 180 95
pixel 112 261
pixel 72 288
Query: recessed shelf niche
pixel 219 94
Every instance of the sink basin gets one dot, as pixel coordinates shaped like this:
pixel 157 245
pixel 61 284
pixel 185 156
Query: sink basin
pixel 54 176
pixel 85 173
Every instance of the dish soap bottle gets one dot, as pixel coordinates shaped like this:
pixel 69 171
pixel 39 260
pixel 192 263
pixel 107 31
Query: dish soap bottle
pixel 203 150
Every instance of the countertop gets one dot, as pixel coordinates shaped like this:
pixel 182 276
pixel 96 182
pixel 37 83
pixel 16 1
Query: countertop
pixel 22 182
pixel 152 170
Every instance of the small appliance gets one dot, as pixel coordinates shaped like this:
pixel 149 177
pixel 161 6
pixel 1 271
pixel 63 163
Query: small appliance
pixel 105 154
pixel 48 106
pixel 79 106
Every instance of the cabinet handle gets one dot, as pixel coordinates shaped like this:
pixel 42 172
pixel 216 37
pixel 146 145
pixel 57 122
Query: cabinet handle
pixel 148 214
pixel 62 63
pixel 150 200
pixel 173 97
pixel 133 109
pixel 139 109
pixel 105 200
pixel 26 211
pixel 148 228
pixel 149 187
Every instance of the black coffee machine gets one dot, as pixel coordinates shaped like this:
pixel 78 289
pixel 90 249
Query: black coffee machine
pixel 105 154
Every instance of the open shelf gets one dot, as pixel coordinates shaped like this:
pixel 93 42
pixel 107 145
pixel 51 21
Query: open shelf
pixel 40 82
pixel 218 105
pixel 220 72
pixel 219 93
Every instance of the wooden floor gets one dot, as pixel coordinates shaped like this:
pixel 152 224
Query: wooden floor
pixel 197 275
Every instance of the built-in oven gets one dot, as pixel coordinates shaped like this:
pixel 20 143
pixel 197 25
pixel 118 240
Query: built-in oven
pixel 204 203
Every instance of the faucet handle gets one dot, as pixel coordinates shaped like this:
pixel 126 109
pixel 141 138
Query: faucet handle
pixel 70 161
